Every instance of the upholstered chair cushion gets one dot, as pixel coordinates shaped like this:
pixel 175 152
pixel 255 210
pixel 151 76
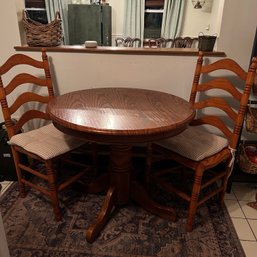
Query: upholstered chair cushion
pixel 46 142
pixel 194 143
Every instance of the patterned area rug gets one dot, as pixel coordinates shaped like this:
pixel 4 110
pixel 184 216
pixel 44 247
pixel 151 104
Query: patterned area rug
pixel 131 232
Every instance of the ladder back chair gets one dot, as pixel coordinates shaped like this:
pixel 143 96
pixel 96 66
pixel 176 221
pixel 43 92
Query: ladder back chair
pixel 128 42
pixel 135 42
pixel 43 146
pixel 206 149
pixel 161 42
pixel 169 42
pixel 120 41
pixel 155 42
pixel 185 42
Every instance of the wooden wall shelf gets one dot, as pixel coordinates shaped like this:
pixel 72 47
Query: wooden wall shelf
pixel 120 50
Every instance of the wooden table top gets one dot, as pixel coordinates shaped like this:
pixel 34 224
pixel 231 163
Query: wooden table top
pixel 116 114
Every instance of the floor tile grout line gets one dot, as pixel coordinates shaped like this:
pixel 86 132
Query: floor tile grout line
pixel 247 240
pixel 240 218
pixel 252 230
pixel 241 208
pixel 251 218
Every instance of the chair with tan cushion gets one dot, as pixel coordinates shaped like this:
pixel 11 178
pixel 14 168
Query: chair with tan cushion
pixel 206 149
pixel 25 89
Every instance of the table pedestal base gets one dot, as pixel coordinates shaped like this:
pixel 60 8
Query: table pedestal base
pixel 94 229
pixel 122 189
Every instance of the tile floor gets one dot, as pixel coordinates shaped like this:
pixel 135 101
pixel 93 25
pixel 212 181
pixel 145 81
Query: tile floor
pixel 243 216
pixel 5 185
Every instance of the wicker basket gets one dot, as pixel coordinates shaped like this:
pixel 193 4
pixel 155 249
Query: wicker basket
pixel 251 119
pixel 244 161
pixel 38 34
pixel 206 43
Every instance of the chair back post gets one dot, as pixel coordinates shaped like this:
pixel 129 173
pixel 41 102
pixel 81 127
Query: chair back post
pixel 196 78
pixel 9 123
pixel 249 81
pixel 47 73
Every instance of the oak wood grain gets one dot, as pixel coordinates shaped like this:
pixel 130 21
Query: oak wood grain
pixel 117 115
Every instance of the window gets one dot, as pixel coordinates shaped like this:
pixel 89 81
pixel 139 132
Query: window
pixel 36 10
pixel 153 18
pixel 34 3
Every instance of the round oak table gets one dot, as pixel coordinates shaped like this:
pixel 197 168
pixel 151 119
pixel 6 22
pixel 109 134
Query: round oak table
pixel 121 117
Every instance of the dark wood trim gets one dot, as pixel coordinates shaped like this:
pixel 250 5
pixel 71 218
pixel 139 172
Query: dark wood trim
pixel 121 50
pixel 156 3
pixel 34 3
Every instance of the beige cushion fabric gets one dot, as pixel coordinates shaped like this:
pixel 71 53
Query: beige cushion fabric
pixel 194 143
pixel 46 142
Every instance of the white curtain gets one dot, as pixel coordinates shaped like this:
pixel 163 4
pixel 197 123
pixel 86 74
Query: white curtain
pixel 173 13
pixel 134 19
pixel 52 6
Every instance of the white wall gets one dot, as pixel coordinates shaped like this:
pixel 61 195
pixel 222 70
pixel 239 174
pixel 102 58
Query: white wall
pixel 195 21
pixel 206 20
pixel 95 70
pixel 117 17
pixel 239 23
pixel 9 30
pixel 216 17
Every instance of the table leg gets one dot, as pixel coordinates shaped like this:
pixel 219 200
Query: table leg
pixel 94 229
pixel 119 191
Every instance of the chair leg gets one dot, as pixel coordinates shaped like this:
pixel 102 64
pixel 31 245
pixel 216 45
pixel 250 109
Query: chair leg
pixel 194 198
pixel 225 182
pixel 16 159
pixel 53 190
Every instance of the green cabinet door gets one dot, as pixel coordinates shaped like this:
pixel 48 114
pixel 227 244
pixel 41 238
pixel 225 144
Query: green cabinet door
pixel 89 22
